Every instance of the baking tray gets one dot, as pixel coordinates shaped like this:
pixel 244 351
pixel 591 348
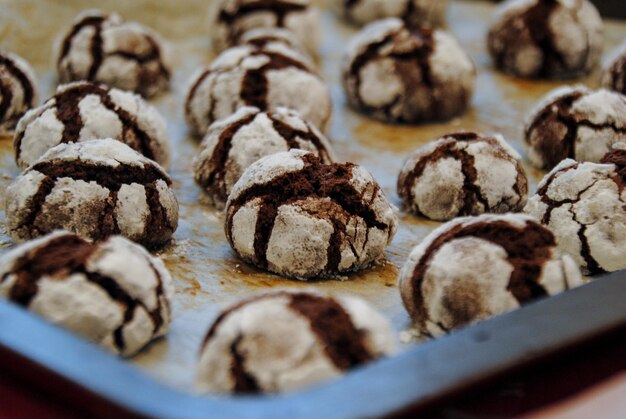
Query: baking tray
pixel 208 276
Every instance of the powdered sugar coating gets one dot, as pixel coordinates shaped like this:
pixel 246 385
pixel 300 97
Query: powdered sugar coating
pixel 113 293
pixel 614 71
pixel 96 189
pixel 584 204
pixel 463 174
pixel 104 48
pixel 293 215
pixel 18 90
pixel 575 122
pixel 416 12
pixel 472 268
pixel 546 38
pixel 232 18
pixel 401 74
pixel 234 143
pixel 83 111
pixel 274 343
pixel 268 76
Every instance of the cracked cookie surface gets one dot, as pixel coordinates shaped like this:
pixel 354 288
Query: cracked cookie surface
pixel 289 340
pixel 231 19
pixel 584 204
pixel 96 189
pixel 293 215
pixel 18 90
pixel 463 173
pixel 574 122
pixel 264 76
pixel 233 144
pixel 83 111
pixel 546 38
pixel 397 73
pixel 113 293
pixel 415 12
pixel 104 48
pixel 473 268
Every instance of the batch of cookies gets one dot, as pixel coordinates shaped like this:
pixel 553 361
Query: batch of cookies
pixel 94 192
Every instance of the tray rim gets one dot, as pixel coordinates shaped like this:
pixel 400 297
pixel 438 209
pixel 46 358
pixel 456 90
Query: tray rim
pixel 446 366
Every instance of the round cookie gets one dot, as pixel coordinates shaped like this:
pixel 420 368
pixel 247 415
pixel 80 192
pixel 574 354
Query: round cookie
pixel 584 204
pixel 18 91
pixel 265 77
pixel 293 215
pixel 232 18
pixel 400 74
pixel 84 111
pixel 96 189
pixel 104 48
pixel 285 341
pixel 415 12
pixel 113 293
pixel 614 72
pixel 472 268
pixel 233 144
pixel 546 38
pixel 574 122
pixel 463 174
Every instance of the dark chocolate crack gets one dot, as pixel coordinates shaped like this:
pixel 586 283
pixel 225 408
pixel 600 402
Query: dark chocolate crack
pixel 244 381
pixel 528 249
pixel 94 22
pixel 67 255
pixel 14 71
pixel 68 112
pixel 255 86
pixel 617 74
pixel 112 178
pixel 405 63
pixel 618 158
pixel 280 9
pixel 472 192
pixel 343 343
pixel 212 171
pixel 314 180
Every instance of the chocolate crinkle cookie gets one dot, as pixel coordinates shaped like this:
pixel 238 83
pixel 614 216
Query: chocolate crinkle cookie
pixel 584 204
pixel 96 189
pixel 285 341
pixel 577 123
pixel 84 111
pixel 232 18
pixel 397 73
pixel 113 293
pixel 18 91
pixel 233 144
pixel 473 268
pixel 266 77
pixel 614 72
pixel 104 48
pixel 414 12
pixel 463 174
pixel 293 215
pixel 546 38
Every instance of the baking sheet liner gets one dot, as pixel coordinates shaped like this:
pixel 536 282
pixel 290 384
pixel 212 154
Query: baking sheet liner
pixel 207 275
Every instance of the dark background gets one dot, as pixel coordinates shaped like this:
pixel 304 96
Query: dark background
pixel 609 8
